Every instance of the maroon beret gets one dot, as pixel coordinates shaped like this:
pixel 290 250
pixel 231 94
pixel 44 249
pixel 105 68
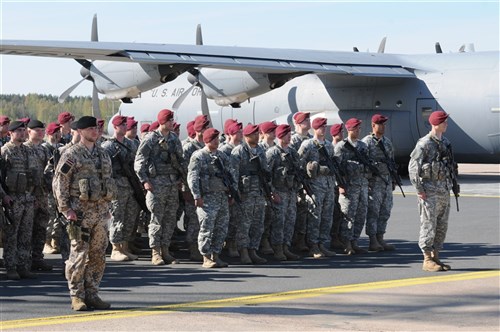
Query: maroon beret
pixel 267 127
pixel 177 126
pixel 250 129
pixel 282 130
pixel 25 120
pixel 210 134
pixel 318 122
pixel 164 116
pixel 65 117
pixel 234 128
pixel 378 119
pixel 100 123
pixel 352 123
pixel 228 123
pixel 438 117
pixel 155 125
pixel 336 129
pixel 131 123
pixel 299 117
pixel 118 120
pixel 190 130
pixel 4 120
pixel 200 122
pixel 144 127
pixel 52 128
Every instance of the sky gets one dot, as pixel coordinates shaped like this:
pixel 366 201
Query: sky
pixel 410 27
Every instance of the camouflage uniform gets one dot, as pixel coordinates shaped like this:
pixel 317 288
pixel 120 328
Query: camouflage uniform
pixel 269 215
pixel 125 209
pixel 154 163
pixel 19 181
pixel 380 199
pixel 319 221
pixel 428 173
pixel 40 192
pixel 354 203
pixel 83 183
pixel 205 181
pixel 251 226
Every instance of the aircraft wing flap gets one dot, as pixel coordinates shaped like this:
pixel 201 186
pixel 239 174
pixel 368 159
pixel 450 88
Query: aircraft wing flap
pixel 377 71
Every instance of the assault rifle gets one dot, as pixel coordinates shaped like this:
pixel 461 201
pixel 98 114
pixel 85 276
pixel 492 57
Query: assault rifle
pixel 176 163
pixel 263 177
pixel 333 165
pixel 364 160
pixel 228 180
pixel 300 178
pixel 391 165
pixel 453 169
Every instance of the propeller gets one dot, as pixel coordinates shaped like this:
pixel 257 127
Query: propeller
pixel 85 73
pixel 438 48
pixel 381 47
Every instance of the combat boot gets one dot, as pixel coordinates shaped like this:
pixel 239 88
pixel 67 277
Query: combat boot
pixel 244 258
pixel 325 251
pixel 133 248
pixel 429 264
pixel 232 249
pixel 219 261
pixel 315 252
pixel 131 256
pixel 40 265
pixel 13 275
pixel 256 259
pixel 208 263
pixel 289 255
pixel 348 250
pixel 357 249
pixel 77 304
pixel 165 254
pixel 265 246
pixel 26 274
pixel 194 253
pixel 301 243
pixel 385 245
pixel 435 258
pixel 95 302
pixel 156 256
pixel 48 249
pixel 374 244
pixel 278 253
pixel 117 254
pixel 336 243
pixel 55 245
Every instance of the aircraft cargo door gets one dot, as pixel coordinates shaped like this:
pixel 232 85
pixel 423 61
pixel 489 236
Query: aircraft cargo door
pixel 425 107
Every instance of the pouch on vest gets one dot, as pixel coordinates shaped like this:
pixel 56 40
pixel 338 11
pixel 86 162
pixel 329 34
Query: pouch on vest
pixel 152 170
pixel 83 184
pixel 245 184
pixel 36 177
pixel 110 189
pixel 426 171
pixel 96 190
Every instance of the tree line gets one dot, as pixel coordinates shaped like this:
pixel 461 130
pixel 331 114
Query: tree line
pixel 46 107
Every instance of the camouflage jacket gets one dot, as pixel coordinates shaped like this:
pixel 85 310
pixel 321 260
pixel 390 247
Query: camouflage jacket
pixel 355 171
pixel 245 171
pixel 17 161
pixel 375 152
pixel 283 163
pixel 41 158
pixel 120 155
pixel 309 152
pixel 297 139
pixel 227 148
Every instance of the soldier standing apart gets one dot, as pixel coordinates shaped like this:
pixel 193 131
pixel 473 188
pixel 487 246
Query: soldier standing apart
pixel 65 119
pixel 234 137
pixel 205 178
pixel 200 124
pixel 336 243
pixel 319 221
pixel 354 196
pixel 84 187
pixel 380 200
pixel 283 161
pixel 17 159
pixel 244 159
pixel 125 208
pixel 36 133
pixel 159 165
pixel 302 126
pixel 430 174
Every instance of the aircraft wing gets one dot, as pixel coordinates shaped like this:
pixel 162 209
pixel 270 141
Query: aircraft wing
pixel 268 60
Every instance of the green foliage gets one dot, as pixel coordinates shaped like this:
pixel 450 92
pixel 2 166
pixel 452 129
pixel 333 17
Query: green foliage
pixel 46 107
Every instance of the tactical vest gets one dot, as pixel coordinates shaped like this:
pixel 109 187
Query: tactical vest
pixel 163 156
pixel 249 172
pixel 283 176
pixel 210 174
pixel 19 178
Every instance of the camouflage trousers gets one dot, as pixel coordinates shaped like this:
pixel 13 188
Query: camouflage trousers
pixel 301 214
pixel 251 225
pixel 269 217
pixel 40 221
pixel 53 216
pixel 192 223
pixel 125 211
pixel 354 205
pixel 337 215
pixel 379 206
pixel 214 220
pixel 284 218
pixel 162 203
pixel 87 259
pixel 434 213
pixel 17 235
pixel 234 219
pixel 319 220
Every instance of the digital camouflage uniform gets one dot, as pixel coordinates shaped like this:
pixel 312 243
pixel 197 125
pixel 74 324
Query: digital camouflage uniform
pixel 125 209
pixel 19 181
pixel 428 173
pixel 319 221
pixel 154 163
pixel 380 200
pixel 205 181
pixel 83 182
pixel 40 193
pixel 354 203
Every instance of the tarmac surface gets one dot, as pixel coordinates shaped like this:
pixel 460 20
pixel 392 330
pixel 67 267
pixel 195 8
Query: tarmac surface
pixel 386 291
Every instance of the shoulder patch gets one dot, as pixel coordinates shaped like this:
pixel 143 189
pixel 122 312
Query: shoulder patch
pixel 67 166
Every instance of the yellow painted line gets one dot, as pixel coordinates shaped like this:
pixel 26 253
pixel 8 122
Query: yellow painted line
pixel 245 300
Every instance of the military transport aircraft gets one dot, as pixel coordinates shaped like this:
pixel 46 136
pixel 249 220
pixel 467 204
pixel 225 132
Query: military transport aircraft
pixel 258 84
